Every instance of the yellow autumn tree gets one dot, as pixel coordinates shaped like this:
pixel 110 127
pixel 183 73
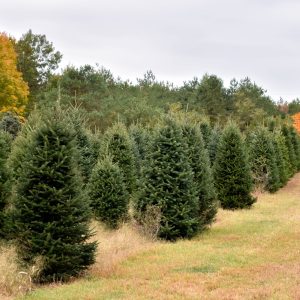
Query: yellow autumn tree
pixel 13 89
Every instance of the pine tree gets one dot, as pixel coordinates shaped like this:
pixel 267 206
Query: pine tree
pixel 199 161
pixel 108 193
pixel 168 184
pixel 232 171
pixel 263 160
pixel 51 213
pixel 117 144
pixel 5 144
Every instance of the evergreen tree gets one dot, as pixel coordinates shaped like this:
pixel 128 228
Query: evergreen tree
pixel 263 160
pixel 108 193
pixel 232 171
pixel 5 144
pixel 213 144
pixel 141 142
pixel 10 123
pixel 87 156
pixel 199 161
pixel 289 144
pixel 282 158
pixel 117 144
pixel 206 132
pixel 295 139
pixel 168 184
pixel 51 213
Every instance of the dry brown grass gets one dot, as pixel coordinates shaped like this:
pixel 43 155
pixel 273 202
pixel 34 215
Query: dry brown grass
pixel 113 248
pixel 13 280
pixel 116 246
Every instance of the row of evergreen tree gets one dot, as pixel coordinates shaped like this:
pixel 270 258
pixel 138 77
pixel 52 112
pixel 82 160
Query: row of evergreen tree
pixel 55 176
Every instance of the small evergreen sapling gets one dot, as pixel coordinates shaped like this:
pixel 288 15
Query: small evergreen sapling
pixel 108 193
pixel 232 171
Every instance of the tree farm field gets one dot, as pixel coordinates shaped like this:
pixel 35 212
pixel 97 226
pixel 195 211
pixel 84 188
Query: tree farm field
pixel 247 254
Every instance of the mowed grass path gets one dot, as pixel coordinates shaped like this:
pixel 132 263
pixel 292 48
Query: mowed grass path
pixel 249 254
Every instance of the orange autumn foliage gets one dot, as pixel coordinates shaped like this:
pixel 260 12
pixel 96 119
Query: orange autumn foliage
pixel 13 89
pixel 296 121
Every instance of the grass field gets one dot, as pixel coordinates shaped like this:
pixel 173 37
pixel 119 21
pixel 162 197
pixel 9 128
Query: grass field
pixel 249 254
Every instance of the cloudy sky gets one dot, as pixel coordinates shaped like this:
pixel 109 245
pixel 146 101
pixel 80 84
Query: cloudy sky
pixel 176 39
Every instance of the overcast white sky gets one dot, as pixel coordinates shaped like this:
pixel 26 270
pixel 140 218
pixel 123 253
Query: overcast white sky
pixel 176 39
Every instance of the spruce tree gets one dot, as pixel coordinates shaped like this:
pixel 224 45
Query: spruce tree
pixel 51 213
pixel 289 144
pixel 5 145
pixel 141 141
pixel 282 158
pixel 199 161
pixel 87 156
pixel 169 185
pixel 232 171
pixel 213 144
pixel 11 124
pixel 295 139
pixel 108 193
pixel 263 160
pixel 117 144
pixel 206 131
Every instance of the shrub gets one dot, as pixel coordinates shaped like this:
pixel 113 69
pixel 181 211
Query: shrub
pixel 108 193
pixel 168 184
pixel 51 213
pixel 232 171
